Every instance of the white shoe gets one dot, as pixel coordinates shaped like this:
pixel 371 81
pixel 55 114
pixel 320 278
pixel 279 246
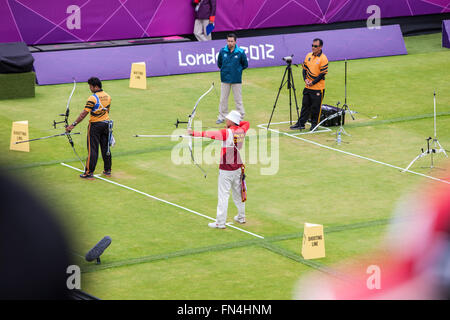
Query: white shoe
pixel 216 225
pixel 239 220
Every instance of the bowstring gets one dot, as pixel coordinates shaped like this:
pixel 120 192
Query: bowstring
pixel 66 120
pixel 190 122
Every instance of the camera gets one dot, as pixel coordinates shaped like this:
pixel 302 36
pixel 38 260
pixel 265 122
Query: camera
pixel 288 59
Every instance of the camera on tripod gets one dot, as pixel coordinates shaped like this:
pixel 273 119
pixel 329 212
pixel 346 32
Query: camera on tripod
pixel 288 59
pixel 289 83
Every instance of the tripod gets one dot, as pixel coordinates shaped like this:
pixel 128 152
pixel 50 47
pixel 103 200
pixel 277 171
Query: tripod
pixel 436 146
pixel 341 129
pixel 290 86
pixel 345 110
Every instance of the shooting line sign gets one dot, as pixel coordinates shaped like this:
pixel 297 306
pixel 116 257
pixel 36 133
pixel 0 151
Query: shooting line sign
pixel 313 241
pixel 138 76
pixel 19 132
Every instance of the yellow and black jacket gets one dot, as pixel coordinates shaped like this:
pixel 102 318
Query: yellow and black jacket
pixel 98 106
pixel 315 68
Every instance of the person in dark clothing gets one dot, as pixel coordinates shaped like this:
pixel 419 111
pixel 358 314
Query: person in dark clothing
pixel 100 125
pixel 205 14
pixel 315 67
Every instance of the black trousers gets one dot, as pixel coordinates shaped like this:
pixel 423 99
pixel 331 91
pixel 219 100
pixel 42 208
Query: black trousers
pixel 311 107
pixel 98 134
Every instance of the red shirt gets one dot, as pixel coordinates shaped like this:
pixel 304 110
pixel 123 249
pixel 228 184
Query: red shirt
pixel 233 139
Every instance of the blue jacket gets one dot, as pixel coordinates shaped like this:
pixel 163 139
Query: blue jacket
pixel 231 64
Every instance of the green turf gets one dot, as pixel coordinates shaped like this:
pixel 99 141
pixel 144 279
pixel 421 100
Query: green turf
pixel 163 252
pixel 17 85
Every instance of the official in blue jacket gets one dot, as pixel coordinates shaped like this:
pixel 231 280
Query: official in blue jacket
pixel 231 61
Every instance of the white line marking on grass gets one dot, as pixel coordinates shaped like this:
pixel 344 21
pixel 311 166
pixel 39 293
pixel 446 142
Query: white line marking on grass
pixel 162 200
pixel 310 132
pixel 324 129
pixel 264 126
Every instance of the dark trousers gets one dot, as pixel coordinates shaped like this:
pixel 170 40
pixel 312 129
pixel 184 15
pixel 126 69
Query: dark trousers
pixel 311 107
pixel 98 134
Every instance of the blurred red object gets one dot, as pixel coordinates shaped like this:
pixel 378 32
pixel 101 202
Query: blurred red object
pixel 413 263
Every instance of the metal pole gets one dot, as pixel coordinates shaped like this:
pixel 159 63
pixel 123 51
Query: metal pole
pixel 290 95
pixel 434 99
pixel 345 102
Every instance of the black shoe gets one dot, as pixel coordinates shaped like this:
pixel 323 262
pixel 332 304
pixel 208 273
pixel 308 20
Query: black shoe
pixel 107 173
pixel 297 127
pixel 88 176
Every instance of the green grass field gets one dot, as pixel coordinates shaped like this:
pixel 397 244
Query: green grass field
pixel 160 251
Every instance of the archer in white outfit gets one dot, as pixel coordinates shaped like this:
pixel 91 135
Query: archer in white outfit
pixel 231 169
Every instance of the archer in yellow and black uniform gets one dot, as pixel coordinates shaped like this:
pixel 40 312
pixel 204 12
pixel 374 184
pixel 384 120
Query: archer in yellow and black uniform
pixel 98 106
pixel 315 67
pixel 99 130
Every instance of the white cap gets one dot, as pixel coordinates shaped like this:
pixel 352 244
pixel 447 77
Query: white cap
pixel 234 116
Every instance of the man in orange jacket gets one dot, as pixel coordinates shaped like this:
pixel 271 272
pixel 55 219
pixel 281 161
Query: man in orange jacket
pixel 231 168
pixel 315 67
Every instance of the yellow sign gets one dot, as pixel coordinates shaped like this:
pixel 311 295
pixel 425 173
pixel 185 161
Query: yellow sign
pixel 138 76
pixel 19 132
pixel 313 241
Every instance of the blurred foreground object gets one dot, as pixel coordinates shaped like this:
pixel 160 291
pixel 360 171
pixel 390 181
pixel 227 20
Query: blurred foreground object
pixel 34 255
pixel 413 263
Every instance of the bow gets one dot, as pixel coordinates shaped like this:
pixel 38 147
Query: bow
pixel 66 122
pixel 189 126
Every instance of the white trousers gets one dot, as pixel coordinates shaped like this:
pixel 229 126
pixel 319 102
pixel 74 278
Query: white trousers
pixel 200 29
pixel 225 93
pixel 229 180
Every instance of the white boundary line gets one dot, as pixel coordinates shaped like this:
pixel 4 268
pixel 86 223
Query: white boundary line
pixel 310 132
pixel 162 200
pixel 264 126
pixel 325 129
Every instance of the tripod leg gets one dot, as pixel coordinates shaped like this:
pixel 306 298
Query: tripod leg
pixel 436 143
pixel 415 159
pixel 432 164
pixel 278 95
pixel 290 94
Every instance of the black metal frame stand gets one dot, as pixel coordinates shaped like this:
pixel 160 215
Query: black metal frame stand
pixel 291 87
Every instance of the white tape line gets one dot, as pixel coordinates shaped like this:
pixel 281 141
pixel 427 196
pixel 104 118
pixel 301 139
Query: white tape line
pixel 162 200
pixel 355 155
pixel 311 132
pixel 324 129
